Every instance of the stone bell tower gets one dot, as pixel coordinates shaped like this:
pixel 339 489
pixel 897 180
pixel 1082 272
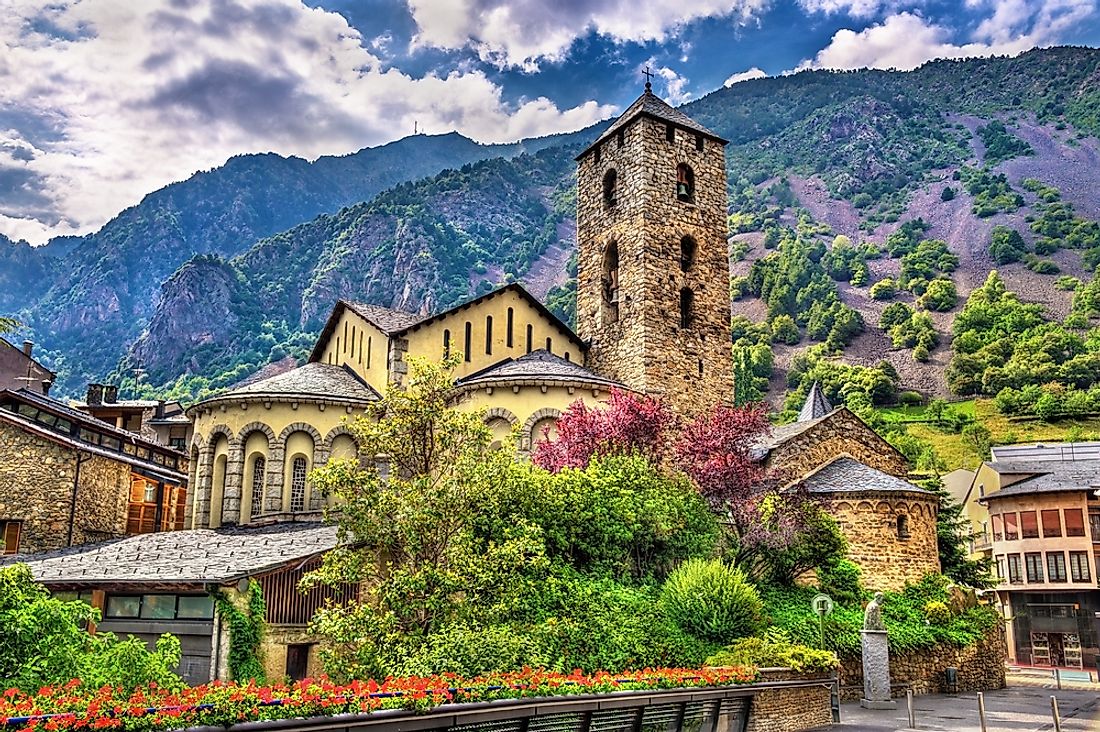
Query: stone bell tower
pixel 653 264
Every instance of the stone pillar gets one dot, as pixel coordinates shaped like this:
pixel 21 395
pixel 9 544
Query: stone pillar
pixel 276 470
pixel 234 477
pixel 204 474
pixel 876 671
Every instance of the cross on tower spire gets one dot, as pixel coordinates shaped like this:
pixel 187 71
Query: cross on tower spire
pixel 648 76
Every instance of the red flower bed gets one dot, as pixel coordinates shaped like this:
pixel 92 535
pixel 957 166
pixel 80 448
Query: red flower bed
pixel 71 708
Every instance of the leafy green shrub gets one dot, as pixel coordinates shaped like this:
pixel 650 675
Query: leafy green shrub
pixel 910 398
pixel 941 295
pixel 947 194
pixel 711 600
pixel 1066 283
pixel 937 612
pixel 1006 245
pixel 1042 266
pixel 784 330
pixel 884 289
pixel 839 580
pixel 775 650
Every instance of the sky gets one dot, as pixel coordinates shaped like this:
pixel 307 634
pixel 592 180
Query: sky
pixel 104 101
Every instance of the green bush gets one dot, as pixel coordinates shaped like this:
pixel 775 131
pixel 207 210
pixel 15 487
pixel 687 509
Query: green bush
pixel 937 612
pixel 884 289
pixel 1006 245
pixel 784 330
pixel 947 194
pixel 910 398
pixel 839 580
pixel 941 295
pixel 1043 266
pixel 711 600
pixel 1067 283
pixel 775 650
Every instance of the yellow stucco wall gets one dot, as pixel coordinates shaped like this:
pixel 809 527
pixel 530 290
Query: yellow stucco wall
pixel 360 346
pixel 427 340
pixel 529 407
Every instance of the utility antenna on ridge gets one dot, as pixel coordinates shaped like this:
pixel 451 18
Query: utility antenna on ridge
pixel 648 75
pixel 416 124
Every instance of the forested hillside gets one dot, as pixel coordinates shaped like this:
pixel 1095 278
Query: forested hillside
pixel 865 208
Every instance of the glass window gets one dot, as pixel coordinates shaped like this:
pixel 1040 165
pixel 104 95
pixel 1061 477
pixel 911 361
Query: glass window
pixel 1011 531
pixel 1052 522
pixel 9 534
pixel 1029 525
pixel 298 484
pixel 1001 568
pixel 123 606
pixel 196 607
pixel 997 527
pixel 1033 562
pixel 259 472
pixel 159 607
pixel 1094 526
pixel 1014 575
pixel 1075 522
pixel 1056 566
pixel 110 442
pixel 1079 566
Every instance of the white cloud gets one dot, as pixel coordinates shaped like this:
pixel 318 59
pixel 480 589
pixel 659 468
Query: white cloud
pixel 675 86
pixel 521 33
pixel 102 101
pixel 857 8
pixel 753 73
pixel 906 40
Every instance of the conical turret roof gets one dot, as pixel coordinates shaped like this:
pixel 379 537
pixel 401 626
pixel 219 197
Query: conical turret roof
pixel 815 406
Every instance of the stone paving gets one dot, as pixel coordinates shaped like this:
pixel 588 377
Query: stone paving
pixel 1016 709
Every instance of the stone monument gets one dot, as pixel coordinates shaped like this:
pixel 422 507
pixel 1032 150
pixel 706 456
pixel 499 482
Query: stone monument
pixel 876 659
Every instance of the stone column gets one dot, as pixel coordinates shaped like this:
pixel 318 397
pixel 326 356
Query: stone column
pixel 876 671
pixel 203 486
pixel 234 477
pixel 276 467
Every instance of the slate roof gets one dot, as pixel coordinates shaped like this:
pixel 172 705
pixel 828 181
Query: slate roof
pixel 848 475
pixel 1049 476
pixel 196 556
pixel 540 365
pixel 387 320
pixel 651 105
pixel 815 406
pixel 313 379
pixel 781 434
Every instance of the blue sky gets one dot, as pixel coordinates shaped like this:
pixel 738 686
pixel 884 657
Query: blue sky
pixel 103 101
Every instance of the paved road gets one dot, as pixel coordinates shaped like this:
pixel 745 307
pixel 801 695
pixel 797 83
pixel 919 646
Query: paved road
pixel 1017 709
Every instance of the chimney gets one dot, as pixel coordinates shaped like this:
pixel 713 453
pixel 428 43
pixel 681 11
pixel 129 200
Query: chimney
pixel 110 393
pixel 159 414
pixel 95 395
pixel 46 384
pixel 28 348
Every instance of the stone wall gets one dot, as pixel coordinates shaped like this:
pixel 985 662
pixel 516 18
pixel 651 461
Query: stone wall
pixel 638 340
pixel 869 521
pixel 36 487
pixel 981 667
pixel 274 649
pixel 790 710
pixel 840 433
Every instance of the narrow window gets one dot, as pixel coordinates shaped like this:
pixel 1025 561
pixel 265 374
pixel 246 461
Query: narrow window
pixel 685 182
pixel 345 334
pixel 353 341
pixel 1029 525
pixel 469 339
pixel 446 343
pixel 567 356
pixel 996 527
pixel 610 281
pixel 488 335
pixel 259 467
pixel 700 367
pixel 1079 566
pixel 903 527
pixel 298 484
pixel 9 532
pixel 699 143
pixel 1033 564
pixel 670 133
pixel 338 349
pixel 687 253
pixel 622 137
pixel 508 327
pixel 1056 566
pixel 530 339
pixel 597 154
pixel 370 347
pixel 360 346
pixel 1075 522
pixel 1012 532
pixel 687 305
pixel 1014 574
pixel 610 179
pixel 548 345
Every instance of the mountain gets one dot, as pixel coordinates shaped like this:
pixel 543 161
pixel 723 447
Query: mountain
pixel 88 305
pixel 813 155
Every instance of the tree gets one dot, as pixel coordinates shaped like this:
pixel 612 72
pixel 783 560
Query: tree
pixel 628 423
pixel 953 535
pixel 1006 245
pixel 784 330
pixel 7 325
pixel 407 522
pixel 43 642
pixel 947 194
pixel 940 295
pixel 884 289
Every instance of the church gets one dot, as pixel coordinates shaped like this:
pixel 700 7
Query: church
pixel 653 317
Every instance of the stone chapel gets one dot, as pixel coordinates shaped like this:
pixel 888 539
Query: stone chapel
pixel 653 316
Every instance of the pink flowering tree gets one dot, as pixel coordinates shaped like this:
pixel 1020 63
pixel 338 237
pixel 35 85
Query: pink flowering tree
pixel 628 423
